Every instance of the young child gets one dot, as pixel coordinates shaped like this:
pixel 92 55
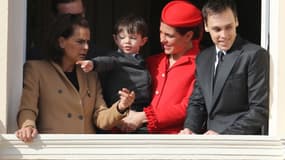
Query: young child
pixel 124 67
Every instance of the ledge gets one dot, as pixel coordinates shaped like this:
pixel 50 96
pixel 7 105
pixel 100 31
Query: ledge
pixel 87 146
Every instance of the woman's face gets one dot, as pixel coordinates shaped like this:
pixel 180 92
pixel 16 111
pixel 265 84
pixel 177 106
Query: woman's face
pixel 76 46
pixel 172 42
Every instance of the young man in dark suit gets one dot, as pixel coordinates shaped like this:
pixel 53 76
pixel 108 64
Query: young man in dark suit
pixel 232 87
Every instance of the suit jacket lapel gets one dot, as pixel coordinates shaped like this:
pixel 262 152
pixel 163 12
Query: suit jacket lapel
pixel 226 67
pixel 206 77
pixel 224 71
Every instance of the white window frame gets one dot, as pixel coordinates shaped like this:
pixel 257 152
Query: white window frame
pixel 12 51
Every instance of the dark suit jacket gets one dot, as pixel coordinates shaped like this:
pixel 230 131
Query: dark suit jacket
pixel 238 103
pixel 118 70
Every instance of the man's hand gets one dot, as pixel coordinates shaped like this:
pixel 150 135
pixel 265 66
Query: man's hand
pixel 211 132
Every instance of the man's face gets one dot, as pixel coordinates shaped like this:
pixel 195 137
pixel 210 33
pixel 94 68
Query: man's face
pixel 75 7
pixel 222 28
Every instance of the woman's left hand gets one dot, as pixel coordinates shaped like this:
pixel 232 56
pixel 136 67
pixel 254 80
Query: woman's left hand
pixel 133 121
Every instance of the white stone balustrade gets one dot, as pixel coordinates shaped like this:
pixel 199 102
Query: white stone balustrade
pixel 135 147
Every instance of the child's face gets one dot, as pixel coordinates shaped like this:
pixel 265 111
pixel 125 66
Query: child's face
pixel 129 43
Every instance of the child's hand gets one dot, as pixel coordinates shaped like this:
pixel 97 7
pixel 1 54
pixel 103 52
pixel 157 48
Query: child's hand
pixel 86 65
pixel 126 99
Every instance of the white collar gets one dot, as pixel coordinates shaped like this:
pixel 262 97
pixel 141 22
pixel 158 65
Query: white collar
pixel 218 50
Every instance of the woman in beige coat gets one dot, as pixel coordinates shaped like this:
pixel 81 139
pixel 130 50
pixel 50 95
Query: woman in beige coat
pixel 58 97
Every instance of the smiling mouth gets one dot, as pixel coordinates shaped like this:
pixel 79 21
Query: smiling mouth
pixel 166 47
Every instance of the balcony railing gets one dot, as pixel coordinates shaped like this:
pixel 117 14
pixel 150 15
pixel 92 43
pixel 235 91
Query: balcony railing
pixel 134 147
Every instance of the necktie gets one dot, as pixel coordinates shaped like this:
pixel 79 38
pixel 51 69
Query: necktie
pixel 219 61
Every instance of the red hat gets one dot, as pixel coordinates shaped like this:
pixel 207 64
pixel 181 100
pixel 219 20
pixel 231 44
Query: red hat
pixel 181 14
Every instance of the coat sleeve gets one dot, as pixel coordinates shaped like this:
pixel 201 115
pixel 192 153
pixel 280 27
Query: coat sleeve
pixel 104 63
pixel 28 109
pixel 196 111
pixel 168 115
pixel 258 97
pixel 104 117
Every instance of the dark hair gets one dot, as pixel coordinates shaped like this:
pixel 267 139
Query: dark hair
pixel 133 24
pixel 218 6
pixel 63 26
pixel 55 3
pixel 197 30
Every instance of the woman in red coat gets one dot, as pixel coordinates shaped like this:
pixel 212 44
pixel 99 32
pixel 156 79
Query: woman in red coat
pixel 172 72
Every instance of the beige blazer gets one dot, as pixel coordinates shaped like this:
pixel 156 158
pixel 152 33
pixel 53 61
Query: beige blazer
pixel 52 104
